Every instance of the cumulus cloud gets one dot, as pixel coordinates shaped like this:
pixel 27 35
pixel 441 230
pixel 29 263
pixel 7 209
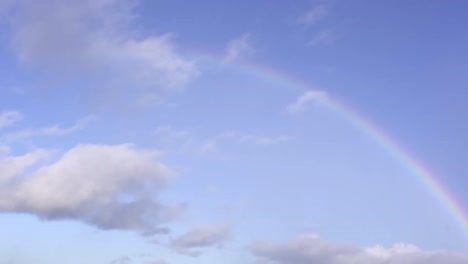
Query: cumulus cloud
pixel 311 248
pixel 8 118
pixel 238 48
pixel 107 186
pixel 95 44
pixel 300 105
pixel 201 237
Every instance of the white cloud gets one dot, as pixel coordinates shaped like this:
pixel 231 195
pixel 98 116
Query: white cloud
pixel 8 118
pixel 55 130
pixel 93 43
pixel 201 237
pixel 313 16
pixel 312 249
pixel 107 186
pixel 239 48
pixel 300 105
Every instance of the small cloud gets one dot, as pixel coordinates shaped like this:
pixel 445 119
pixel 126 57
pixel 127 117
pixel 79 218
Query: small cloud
pixel 159 261
pixel 313 15
pixel 209 146
pixel 168 131
pixel 121 260
pixel 201 237
pixel 300 105
pixel 8 118
pixel 55 130
pixel 238 48
pixel 310 248
pixel 323 37
pixel 263 140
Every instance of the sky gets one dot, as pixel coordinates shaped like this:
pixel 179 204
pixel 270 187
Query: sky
pixel 283 132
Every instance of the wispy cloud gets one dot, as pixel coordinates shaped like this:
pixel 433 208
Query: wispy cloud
pixel 121 260
pixel 167 131
pixel 217 142
pixel 55 130
pixel 8 118
pixel 313 15
pixel 323 37
pixel 201 237
pixel 239 48
pixel 301 103
pixel 310 248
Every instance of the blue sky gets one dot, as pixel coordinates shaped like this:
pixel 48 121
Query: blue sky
pixel 199 132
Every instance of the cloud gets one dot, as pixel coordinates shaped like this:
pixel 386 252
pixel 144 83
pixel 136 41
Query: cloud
pixel 235 137
pixel 323 37
pixel 239 48
pixel 263 140
pixel 311 248
pixel 121 260
pixel 55 130
pixel 168 131
pixel 201 237
pixel 159 261
pixel 94 44
pixel 313 15
pixel 8 118
pixel 300 105
pixel 106 186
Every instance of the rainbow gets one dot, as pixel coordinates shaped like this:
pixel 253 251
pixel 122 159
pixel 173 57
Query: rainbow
pixel 429 179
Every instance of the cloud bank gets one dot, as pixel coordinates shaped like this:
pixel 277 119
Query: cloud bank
pixel 310 248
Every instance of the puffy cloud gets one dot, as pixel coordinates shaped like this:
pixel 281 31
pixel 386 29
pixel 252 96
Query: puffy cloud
pixel 8 118
pixel 238 48
pixel 300 105
pixel 201 237
pixel 93 43
pixel 312 249
pixel 107 186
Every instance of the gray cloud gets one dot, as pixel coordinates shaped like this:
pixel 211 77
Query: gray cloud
pixel 201 237
pixel 312 249
pixel 107 186
pixel 94 44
